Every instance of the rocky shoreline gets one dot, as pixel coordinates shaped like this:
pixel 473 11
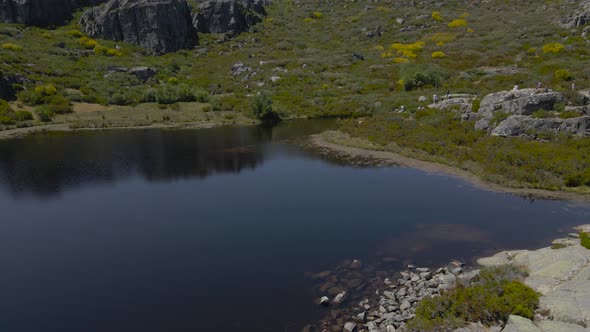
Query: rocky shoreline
pixel 379 301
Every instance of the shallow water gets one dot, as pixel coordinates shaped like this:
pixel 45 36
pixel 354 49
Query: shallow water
pixel 213 229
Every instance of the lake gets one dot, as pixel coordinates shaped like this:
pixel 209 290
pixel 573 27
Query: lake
pixel 214 229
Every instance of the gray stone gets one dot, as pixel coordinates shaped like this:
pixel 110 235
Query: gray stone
pixel 143 73
pixel 159 26
pixel 228 16
pixel 580 17
pixel 350 327
pixel 339 298
pixel 556 326
pixel 519 125
pixel 9 85
pixel 520 324
pixel 36 12
pixel 405 305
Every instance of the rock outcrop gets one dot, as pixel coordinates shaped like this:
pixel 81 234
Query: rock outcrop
pixel 562 275
pixel 516 108
pixel 36 12
pixel 228 16
pixel 159 26
pixel 579 18
pixel 8 85
pixel 519 125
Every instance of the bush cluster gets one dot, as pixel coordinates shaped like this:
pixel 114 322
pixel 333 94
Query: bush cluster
pixel 12 47
pixel 170 94
pixel 457 23
pixel 262 109
pixel 553 48
pixel 420 76
pixel 47 100
pixel 494 295
pixel 9 117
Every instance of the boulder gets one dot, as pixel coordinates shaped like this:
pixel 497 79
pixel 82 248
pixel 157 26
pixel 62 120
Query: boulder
pixel 228 16
pixel 519 125
pixel 143 73
pixel 579 18
pixel 159 26
pixel 520 324
pixel 350 327
pixel 520 102
pixel 36 12
pixel 9 85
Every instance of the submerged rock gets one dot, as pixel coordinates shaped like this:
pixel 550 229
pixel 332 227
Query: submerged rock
pixel 159 26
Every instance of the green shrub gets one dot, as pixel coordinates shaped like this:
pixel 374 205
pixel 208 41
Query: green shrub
pixel 585 240
pixel 4 107
pixel 23 116
pixel 12 47
pixel 563 75
pixel 436 16
pixel 422 75
pixel 494 295
pixel 170 94
pixel 578 179
pixel 499 117
pixel 438 55
pixel 541 114
pixel 87 43
pixel 475 105
pixel 6 120
pixel 58 104
pixel 44 113
pixel 261 108
pixel 553 48
pixel 75 33
pixel 457 23
pixel 569 114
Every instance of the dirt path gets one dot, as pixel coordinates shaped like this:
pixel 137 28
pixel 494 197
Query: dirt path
pixel 432 167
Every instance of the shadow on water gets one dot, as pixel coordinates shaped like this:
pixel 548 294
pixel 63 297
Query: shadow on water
pixel 49 163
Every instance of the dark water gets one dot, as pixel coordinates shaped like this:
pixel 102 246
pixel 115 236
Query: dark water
pixel 212 230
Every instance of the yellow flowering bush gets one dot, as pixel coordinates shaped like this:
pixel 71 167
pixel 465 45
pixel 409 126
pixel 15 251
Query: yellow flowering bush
pixel 12 47
pixel 438 55
pixel 457 23
pixel 553 48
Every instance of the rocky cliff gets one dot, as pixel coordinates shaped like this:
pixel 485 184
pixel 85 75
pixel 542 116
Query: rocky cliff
pixel 580 17
pixel 36 12
pixel 228 16
pixel 159 26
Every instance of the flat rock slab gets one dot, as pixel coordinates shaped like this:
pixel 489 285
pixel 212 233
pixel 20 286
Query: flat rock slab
pixel 520 324
pixel 562 276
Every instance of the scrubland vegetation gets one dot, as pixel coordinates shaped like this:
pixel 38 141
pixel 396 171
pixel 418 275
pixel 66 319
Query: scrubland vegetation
pixel 495 294
pixel 324 59
pixel 558 162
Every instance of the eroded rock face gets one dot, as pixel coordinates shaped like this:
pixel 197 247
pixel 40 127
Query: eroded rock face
pixel 519 125
pixel 159 26
pixel 228 16
pixel 36 12
pixel 579 18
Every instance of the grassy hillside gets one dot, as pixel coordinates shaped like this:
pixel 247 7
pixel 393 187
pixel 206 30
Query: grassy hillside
pixel 462 46
pixel 327 58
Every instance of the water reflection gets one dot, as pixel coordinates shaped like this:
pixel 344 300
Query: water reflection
pixel 47 164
